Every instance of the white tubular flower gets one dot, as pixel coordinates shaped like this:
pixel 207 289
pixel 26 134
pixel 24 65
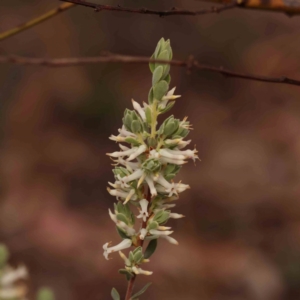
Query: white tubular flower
pixel 117 138
pixel 150 183
pixel 128 164
pixel 164 159
pixel 123 245
pixel 186 153
pixel 183 144
pixel 176 216
pixel 121 182
pixel 170 239
pixel 162 181
pixel 185 124
pixel 124 148
pixel 163 228
pixel 180 187
pixel 160 233
pixel 112 216
pixel 144 210
pixel 123 153
pixel 168 97
pixel 137 271
pixel 117 193
pixel 126 260
pixel 123 194
pixel 135 175
pixel 141 180
pixel 169 154
pixel 130 196
pixel 138 151
pixel 170 187
pixel 139 109
pixel 11 276
pixel 124 132
pixel 143 233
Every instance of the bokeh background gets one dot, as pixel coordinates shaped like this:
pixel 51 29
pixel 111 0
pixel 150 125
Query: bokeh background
pixel 241 235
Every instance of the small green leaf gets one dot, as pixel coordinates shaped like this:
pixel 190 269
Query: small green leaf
pixel 168 107
pixel 138 257
pixel 168 78
pixel 122 218
pixel 126 273
pixel 150 248
pixel 122 234
pixel 166 71
pixel 171 128
pixel 158 47
pixel 152 65
pixel 132 141
pixel 142 291
pixel 45 294
pixel 157 74
pixel 136 126
pixel 150 96
pixel 160 89
pixel 148 115
pixel 152 225
pixel 152 142
pixel 115 295
pixel 164 55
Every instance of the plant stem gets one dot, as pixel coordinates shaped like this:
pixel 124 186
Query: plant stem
pixel 147 195
pixel 130 288
pixel 154 118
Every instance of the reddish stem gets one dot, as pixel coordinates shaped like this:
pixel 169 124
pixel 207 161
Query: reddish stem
pixel 130 285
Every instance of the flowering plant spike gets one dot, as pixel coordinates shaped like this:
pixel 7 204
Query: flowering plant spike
pixel 149 158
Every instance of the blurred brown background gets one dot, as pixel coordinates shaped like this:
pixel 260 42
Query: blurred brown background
pixel 241 237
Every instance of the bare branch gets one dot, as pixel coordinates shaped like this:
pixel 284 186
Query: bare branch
pixel 289 7
pixel 36 21
pixel 174 11
pixel 190 64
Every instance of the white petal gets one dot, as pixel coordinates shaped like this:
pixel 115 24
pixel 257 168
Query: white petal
pixel 170 239
pixel 137 152
pixel 150 183
pixel 159 233
pixel 139 109
pixel 143 233
pixel 135 175
pixel 176 216
pixel 129 196
pixel 141 271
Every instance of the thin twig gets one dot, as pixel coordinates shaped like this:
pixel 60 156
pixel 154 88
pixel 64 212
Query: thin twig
pixel 291 8
pixel 173 12
pixel 36 21
pixel 190 64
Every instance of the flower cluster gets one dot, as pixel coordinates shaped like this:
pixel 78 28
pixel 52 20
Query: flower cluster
pixel 12 281
pixel 145 166
pixel 10 285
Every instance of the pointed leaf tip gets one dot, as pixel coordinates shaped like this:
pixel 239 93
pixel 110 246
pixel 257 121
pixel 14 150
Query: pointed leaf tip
pixel 136 295
pixel 115 295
